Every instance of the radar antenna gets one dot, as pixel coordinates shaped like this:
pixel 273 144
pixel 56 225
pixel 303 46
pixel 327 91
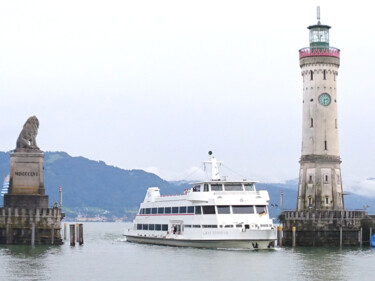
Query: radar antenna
pixel 318 13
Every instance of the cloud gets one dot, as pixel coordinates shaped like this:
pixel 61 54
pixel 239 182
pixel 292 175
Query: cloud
pixel 363 187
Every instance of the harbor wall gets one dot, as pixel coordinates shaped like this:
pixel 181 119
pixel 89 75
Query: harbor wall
pixel 326 228
pixel 38 226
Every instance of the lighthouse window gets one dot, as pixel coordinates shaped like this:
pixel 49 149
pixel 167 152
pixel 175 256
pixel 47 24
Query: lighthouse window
pixel 160 210
pixel 311 123
pixel 325 145
pixel 174 210
pixel 310 201
pixel 208 210
pixel 327 200
pixel 324 75
pixel 326 178
pixel 311 74
pixel 223 210
pixel 233 187
pixel 190 210
pixel 198 210
pixel 216 187
pixel 167 210
pixel 154 210
pixel 261 209
pixel 243 209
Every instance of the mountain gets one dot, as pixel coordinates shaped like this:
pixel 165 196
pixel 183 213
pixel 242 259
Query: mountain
pixel 94 188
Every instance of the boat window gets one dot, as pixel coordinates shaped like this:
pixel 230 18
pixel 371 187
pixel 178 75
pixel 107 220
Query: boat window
pixel 190 210
pixel 223 210
pixel 141 211
pixel 158 227
pixel 206 187
pixel 208 210
pixel 249 187
pixel 145 226
pixel 196 226
pixel 243 209
pixel 182 210
pixel 233 187
pixel 139 226
pixel 174 210
pixel 228 226
pixel 261 209
pixel 148 211
pixel 209 226
pixel 164 227
pixel 188 225
pixel 161 210
pixel 216 187
pixel 167 210
pixel 151 227
pixel 198 210
pixel 196 188
pixel 154 210
pixel 239 225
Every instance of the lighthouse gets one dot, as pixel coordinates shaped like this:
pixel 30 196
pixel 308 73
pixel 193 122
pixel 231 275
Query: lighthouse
pixel 320 218
pixel 320 183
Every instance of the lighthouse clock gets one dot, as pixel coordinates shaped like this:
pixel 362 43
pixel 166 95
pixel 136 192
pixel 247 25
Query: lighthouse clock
pixel 320 186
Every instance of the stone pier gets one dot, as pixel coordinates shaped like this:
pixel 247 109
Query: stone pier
pixel 327 228
pixel 17 225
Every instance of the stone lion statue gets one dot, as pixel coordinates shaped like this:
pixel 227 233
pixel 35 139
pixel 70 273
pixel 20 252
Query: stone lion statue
pixel 27 137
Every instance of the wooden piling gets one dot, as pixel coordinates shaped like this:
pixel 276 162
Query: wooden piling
pixel 80 233
pixel 72 235
pixel 340 236
pixel 370 235
pixel 77 231
pixel 279 236
pixel 294 236
pixel 33 234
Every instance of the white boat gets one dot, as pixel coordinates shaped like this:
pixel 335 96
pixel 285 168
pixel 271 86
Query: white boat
pixel 211 214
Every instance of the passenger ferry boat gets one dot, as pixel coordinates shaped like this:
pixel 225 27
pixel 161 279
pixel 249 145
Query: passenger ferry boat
pixel 211 214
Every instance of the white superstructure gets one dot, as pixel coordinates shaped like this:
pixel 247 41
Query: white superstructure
pixel 211 214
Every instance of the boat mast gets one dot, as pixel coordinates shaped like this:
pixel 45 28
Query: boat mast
pixel 215 174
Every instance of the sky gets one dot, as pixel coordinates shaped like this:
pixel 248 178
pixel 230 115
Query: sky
pixel 155 85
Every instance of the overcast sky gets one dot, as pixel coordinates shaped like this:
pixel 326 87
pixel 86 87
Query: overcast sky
pixel 155 85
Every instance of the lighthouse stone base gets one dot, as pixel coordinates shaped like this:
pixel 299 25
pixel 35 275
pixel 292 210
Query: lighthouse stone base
pixel 327 228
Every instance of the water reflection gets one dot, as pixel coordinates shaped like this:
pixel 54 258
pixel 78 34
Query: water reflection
pixel 25 262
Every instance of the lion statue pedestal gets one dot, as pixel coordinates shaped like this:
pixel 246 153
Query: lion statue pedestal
pixel 26 184
pixel 26 217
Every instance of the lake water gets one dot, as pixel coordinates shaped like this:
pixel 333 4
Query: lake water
pixel 106 255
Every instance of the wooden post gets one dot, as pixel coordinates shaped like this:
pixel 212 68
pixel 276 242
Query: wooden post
pixel 72 235
pixel 279 236
pixel 294 236
pixel 33 234
pixel 80 233
pixel 340 236
pixel 64 231
pixel 77 231
pixel 52 235
pixel 370 235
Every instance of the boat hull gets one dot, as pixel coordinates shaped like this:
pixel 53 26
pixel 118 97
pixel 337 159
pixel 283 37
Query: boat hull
pixel 217 244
